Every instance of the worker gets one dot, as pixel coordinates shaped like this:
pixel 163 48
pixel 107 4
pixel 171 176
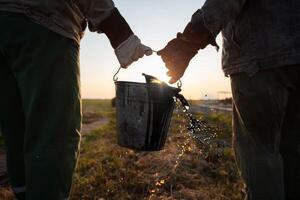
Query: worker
pixel 40 106
pixel 261 55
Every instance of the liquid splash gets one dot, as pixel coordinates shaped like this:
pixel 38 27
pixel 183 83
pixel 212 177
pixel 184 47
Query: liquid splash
pixel 203 134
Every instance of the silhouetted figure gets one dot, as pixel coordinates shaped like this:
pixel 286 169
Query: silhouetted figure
pixel 40 104
pixel 261 55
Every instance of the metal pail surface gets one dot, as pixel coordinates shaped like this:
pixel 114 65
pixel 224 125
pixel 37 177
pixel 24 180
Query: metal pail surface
pixel 144 112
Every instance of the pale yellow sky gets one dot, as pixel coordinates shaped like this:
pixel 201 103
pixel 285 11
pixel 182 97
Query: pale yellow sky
pixel 155 22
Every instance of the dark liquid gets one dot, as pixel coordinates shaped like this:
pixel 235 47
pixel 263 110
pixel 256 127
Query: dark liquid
pixel 204 134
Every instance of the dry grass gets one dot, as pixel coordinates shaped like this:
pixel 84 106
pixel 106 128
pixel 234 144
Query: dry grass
pixel 180 171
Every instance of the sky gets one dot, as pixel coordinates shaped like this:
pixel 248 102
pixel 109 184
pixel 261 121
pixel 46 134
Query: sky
pixel 155 22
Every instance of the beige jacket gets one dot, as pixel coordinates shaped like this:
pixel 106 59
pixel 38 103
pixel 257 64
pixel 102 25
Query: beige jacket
pixel 66 17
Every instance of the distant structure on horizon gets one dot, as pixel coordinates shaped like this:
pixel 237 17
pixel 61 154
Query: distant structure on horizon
pixel 221 95
pixel 224 95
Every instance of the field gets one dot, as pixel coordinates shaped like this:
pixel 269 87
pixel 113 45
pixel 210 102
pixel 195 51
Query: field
pixel 183 170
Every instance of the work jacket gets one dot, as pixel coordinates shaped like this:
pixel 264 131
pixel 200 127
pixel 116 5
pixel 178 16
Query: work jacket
pixel 66 17
pixel 257 34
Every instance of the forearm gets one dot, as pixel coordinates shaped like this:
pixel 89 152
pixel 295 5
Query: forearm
pixel 115 28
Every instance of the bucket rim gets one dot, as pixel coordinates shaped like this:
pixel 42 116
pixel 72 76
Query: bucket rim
pixel 130 82
pixel 144 84
pixel 170 101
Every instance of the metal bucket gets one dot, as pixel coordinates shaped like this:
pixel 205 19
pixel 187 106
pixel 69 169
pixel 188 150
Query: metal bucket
pixel 144 112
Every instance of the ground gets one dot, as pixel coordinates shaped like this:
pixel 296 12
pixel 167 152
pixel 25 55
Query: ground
pixel 182 170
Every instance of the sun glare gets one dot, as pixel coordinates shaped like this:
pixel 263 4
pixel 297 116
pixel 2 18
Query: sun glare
pixel 151 65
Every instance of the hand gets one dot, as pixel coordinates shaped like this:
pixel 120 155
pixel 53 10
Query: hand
pixel 179 51
pixel 176 56
pixel 131 50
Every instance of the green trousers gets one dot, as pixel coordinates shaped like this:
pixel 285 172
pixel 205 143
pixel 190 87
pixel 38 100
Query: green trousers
pixel 266 129
pixel 40 107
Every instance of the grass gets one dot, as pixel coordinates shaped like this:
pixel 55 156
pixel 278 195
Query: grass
pixel 95 109
pixel 181 171
pixel 221 122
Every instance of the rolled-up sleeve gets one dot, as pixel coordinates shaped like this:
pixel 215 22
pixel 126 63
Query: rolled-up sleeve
pixel 95 12
pixel 103 17
pixel 216 14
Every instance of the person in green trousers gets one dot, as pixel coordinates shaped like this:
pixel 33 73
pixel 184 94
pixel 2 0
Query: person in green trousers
pixel 40 103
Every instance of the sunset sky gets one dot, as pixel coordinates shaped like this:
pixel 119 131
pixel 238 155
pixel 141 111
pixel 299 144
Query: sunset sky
pixel 155 22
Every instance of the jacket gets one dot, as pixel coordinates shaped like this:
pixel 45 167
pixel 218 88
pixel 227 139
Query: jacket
pixel 257 34
pixel 66 17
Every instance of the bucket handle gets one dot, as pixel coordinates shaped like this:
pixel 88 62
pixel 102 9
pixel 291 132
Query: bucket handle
pixel 179 84
pixel 115 78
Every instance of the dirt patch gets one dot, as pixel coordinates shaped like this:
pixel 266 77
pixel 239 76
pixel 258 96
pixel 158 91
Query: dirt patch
pixel 93 125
